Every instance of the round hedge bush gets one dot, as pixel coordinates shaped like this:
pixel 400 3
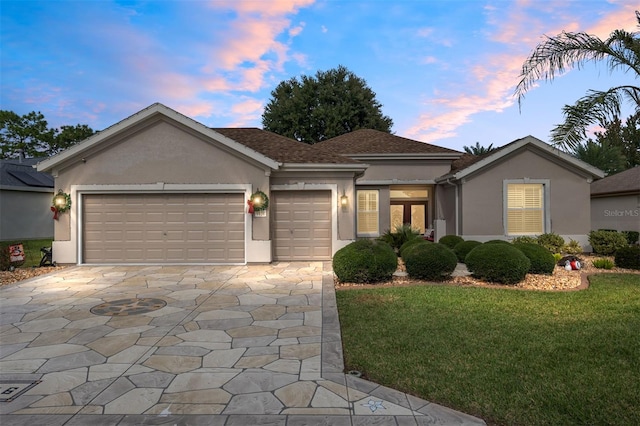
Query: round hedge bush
pixel 551 241
pixel 462 249
pixel 628 257
pixel 365 261
pixel 411 243
pixel 450 240
pixel 542 260
pixel 433 261
pixel 497 242
pixel 501 263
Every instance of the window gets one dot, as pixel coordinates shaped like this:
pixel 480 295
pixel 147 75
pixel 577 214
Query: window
pixel 368 213
pixel 525 208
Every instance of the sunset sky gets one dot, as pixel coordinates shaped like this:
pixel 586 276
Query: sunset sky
pixel 444 70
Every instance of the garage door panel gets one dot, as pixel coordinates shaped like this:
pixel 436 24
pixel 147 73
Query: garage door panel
pixel 301 222
pixel 154 228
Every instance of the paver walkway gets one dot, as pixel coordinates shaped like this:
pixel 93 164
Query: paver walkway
pixel 188 345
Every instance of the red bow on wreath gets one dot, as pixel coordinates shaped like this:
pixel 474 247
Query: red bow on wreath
pixel 250 203
pixel 55 212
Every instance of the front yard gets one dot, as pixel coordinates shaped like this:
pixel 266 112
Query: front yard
pixel 507 356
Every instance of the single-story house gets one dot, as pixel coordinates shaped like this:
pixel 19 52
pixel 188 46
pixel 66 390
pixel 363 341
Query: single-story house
pixel 615 201
pixel 25 200
pixel 159 187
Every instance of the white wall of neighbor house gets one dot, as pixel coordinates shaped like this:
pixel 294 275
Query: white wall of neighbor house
pixel 25 213
pixel 619 212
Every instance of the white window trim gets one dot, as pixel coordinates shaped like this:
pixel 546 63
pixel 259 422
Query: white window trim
pixel 546 198
pixel 368 234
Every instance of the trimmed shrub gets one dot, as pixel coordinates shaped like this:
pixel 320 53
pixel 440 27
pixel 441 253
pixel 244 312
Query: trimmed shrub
pixel 572 247
pixel 628 257
pixel 542 260
pixel 497 242
pixel 632 236
pixel 525 239
pixel 502 263
pixel 551 241
pixel 606 243
pixel 365 261
pixel 433 261
pixel 463 248
pixel 401 235
pixel 603 264
pixel 411 243
pixel 557 257
pixel 450 240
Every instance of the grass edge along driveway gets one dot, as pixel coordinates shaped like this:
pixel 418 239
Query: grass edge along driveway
pixel 507 356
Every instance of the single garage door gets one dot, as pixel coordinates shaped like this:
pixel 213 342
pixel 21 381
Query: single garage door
pixel 163 228
pixel 301 223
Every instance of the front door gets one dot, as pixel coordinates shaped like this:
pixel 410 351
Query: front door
pixel 411 212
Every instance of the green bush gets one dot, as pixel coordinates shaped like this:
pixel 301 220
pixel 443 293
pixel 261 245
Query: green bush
pixel 606 243
pixel 632 236
pixel 450 240
pixel 542 260
pixel 525 239
pixel 497 242
pixel 557 257
pixel 552 242
pixel 463 248
pixel 401 235
pixel 572 247
pixel 603 264
pixel 433 261
pixel 411 243
pixel 628 257
pixel 502 263
pixel 365 261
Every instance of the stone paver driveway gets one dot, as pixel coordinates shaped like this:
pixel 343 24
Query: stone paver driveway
pixel 187 345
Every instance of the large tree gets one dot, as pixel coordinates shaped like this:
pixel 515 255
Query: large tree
pixel 621 51
pixel 313 109
pixel 30 135
pixel 604 156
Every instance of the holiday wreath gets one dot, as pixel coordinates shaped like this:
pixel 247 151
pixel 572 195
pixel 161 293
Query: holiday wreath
pixel 258 201
pixel 60 203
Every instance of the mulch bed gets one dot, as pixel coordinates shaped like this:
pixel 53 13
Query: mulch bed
pixel 20 274
pixel 560 280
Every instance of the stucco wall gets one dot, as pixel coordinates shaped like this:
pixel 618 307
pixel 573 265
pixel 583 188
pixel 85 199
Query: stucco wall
pixel 25 215
pixel 482 195
pixel 405 170
pixel 621 213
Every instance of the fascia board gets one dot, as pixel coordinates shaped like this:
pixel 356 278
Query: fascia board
pixel 308 167
pixel 408 156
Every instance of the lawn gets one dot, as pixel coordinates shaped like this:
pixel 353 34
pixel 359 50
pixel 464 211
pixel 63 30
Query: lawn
pixel 507 356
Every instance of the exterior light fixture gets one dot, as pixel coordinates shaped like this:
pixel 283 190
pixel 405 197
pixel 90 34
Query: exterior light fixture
pixel 60 200
pixel 344 200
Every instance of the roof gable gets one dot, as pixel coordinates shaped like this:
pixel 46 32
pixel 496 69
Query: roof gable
pixel 367 142
pixel 469 164
pixel 150 113
pixel 627 181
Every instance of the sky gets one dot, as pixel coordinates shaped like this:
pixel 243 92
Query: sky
pixel 444 70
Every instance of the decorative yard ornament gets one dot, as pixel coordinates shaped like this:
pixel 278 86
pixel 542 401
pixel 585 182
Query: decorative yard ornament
pixel 61 203
pixel 258 202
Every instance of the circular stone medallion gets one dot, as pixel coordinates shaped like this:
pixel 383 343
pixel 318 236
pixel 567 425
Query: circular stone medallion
pixel 132 306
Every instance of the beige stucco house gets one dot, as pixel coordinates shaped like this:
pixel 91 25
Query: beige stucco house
pixel 159 187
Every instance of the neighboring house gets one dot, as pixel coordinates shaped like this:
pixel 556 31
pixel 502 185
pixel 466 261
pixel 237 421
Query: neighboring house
pixel 159 187
pixel 615 202
pixel 25 201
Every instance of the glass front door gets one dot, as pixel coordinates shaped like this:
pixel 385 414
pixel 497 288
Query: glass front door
pixel 411 212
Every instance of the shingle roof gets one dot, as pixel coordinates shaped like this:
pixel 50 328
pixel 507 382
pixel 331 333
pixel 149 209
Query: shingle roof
pixel 20 173
pixel 627 181
pixel 368 141
pixel 280 148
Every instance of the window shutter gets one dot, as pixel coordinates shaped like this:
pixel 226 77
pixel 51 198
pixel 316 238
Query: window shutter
pixel 525 209
pixel 367 215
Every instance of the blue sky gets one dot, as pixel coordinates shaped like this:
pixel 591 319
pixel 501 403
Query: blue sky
pixel 444 70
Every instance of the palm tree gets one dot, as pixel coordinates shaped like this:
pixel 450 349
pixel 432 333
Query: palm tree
pixel 573 50
pixel 477 149
pixel 606 157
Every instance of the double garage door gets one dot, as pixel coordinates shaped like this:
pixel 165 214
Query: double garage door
pixel 163 228
pixel 200 228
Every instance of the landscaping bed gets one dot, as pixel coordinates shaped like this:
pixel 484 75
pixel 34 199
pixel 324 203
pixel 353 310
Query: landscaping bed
pixel 20 274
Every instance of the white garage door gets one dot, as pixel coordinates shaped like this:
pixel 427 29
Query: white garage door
pixel 301 222
pixel 163 228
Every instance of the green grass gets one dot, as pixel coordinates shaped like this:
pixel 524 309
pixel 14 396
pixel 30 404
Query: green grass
pixel 507 356
pixel 31 250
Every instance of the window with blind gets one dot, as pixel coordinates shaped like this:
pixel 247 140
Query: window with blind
pixel 367 213
pixel 525 213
